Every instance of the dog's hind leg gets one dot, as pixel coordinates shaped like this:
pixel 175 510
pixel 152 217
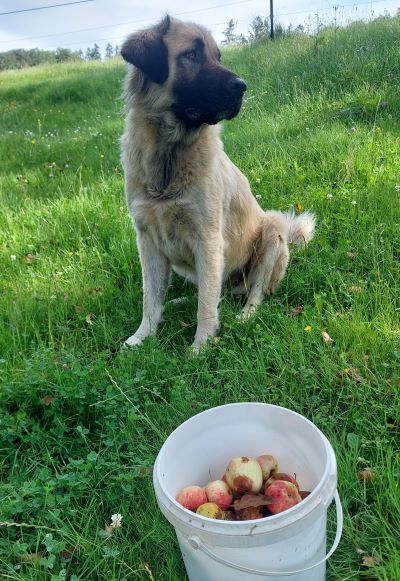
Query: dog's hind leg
pixel 156 273
pixel 269 266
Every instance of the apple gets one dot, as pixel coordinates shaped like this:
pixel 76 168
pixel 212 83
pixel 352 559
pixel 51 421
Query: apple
pixel 269 465
pixel 191 497
pixel 285 495
pixel 210 510
pixel 282 476
pixel 218 491
pixel 244 474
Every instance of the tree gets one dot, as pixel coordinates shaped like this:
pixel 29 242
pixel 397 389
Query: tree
pixel 229 33
pixel 109 52
pixel 259 28
pixel 93 54
pixel 116 50
pixel 64 54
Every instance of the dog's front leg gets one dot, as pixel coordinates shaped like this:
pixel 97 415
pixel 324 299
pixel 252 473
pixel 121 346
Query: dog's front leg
pixel 155 272
pixel 210 266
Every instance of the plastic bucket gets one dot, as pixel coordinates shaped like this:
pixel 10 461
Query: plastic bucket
pixel 289 545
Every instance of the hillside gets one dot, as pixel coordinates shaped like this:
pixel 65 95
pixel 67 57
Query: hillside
pixel 80 421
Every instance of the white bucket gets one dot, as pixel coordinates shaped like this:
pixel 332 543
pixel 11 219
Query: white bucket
pixel 291 544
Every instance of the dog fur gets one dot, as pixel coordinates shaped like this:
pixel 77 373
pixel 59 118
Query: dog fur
pixel 192 208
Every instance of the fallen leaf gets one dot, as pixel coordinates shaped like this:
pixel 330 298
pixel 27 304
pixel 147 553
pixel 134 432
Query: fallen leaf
pixel 109 529
pixel 351 255
pixel 29 557
pixel 47 400
pixel 370 561
pixel 298 207
pixel 252 500
pixel 249 513
pixel 68 553
pixel 29 257
pixel 353 373
pixel 326 337
pixel 366 475
pixel 88 318
pixel 357 290
pixel 183 323
pixel 296 311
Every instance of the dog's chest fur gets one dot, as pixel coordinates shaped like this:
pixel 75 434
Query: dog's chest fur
pixel 166 187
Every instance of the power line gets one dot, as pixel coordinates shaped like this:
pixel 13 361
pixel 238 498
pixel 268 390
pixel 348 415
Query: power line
pixel 45 7
pixel 127 22
pixel 354 5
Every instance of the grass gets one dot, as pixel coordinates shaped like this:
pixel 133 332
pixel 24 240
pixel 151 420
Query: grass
pixel 81 422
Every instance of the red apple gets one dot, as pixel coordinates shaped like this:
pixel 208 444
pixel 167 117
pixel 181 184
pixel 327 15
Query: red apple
pixel 282 476
pixel 244 474
pixel 285 495
pixel 219 492
pixel 191 497
pixel 269 465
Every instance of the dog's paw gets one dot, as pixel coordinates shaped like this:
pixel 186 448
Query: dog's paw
pixel 133 341
pixel 247 313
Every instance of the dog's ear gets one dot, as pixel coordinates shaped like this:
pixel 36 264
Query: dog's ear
pixel 147 51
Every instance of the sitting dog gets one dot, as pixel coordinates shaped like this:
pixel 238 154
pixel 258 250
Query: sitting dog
pixel 192 208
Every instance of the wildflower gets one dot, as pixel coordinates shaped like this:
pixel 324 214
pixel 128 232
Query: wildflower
pixel 329 196
pixel 308 328
pixel 258 196
pixel 116 520
pixel 353 203
pixel 13 257
pixel 258 180
pixel 397 188
pixel 33 141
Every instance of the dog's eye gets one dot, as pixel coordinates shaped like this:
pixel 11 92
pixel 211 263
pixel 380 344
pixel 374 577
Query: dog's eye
pixel 191 55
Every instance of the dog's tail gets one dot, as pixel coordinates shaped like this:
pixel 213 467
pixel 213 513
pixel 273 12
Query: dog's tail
pixel 298 229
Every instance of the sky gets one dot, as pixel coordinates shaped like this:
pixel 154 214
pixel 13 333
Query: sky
pixel 82 24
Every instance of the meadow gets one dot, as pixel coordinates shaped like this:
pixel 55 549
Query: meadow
pixel 81 421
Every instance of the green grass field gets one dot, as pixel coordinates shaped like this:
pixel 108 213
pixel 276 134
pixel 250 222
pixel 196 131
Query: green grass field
pixel 81 422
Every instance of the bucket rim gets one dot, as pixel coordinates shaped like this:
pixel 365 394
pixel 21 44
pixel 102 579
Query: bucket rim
pixel 274 521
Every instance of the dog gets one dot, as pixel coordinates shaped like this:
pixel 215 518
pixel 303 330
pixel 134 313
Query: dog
pixel 192 208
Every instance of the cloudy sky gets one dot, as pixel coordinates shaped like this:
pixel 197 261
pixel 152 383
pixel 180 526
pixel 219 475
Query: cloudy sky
pixel 83 23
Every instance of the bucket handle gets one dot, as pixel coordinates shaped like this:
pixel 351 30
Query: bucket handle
pixel 196 543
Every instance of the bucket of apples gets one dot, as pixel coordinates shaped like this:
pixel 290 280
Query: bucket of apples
pixel 250 488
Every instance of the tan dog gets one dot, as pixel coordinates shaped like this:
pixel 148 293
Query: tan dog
pixel 192 208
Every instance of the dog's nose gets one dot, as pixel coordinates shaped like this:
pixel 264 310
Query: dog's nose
pixel 237 85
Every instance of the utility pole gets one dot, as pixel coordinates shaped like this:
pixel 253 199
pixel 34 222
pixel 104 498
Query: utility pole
pixel 271 15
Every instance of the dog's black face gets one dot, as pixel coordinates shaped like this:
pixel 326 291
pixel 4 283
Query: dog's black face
pixel 204 91
pixel 184 60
